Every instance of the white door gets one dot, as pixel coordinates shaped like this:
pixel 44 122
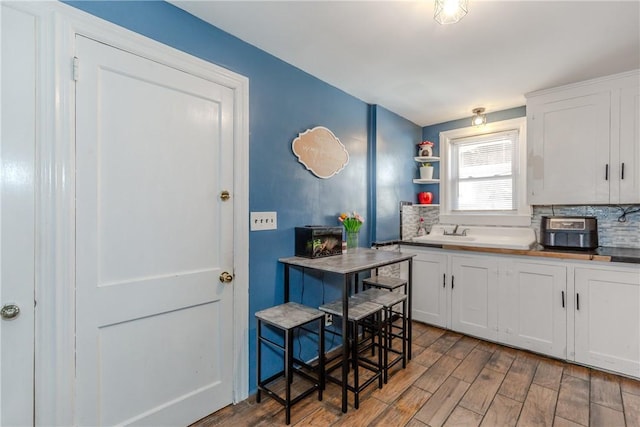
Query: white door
pixel 17 151
pixel 154 150
pixel 474 293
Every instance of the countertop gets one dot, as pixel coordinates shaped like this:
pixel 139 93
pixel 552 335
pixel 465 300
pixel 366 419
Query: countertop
pixel 603 254
pixel 353 261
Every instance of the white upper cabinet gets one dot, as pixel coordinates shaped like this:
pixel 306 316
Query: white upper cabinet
pixel 584 142
pixel 629 153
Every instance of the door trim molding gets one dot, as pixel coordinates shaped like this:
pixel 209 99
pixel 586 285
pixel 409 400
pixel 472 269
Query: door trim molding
pixel 55 198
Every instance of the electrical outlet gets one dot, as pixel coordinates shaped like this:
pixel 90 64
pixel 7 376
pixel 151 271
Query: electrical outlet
pixel 263 221
pixel 328 319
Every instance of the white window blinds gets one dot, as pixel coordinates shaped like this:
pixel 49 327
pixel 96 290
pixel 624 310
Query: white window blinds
pixel 483 175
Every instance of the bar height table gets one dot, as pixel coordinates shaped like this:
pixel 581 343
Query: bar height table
pixel 348 265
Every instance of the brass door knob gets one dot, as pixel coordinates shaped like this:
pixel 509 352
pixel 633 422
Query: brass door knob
pixel 224 195
pixel 225 277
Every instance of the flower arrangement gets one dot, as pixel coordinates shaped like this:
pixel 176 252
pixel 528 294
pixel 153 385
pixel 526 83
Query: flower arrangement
pixel 352 222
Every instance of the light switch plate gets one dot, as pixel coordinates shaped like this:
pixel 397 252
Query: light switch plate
pixel 261 221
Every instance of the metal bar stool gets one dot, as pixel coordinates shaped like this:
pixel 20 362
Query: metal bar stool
pixel 393 284
pixel 390 330
pixel 288 317
pixel 359 311
pixel 385 282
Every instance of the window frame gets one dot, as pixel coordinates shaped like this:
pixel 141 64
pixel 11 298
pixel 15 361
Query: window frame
pixel 521 215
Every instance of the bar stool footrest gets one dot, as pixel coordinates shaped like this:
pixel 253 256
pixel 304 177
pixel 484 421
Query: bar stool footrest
pixel 293 401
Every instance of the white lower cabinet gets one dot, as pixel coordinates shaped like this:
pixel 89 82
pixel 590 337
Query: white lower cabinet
pixel 474 296
pixel 455 292
pixel 533 301
pixel 607 318
pixel 429 292
pixel 585 311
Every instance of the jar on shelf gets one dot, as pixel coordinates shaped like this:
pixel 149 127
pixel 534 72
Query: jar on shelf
pixel 425 149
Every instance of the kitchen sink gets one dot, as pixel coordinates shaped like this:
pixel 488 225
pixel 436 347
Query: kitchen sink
pixel 453 238
pixel 484 237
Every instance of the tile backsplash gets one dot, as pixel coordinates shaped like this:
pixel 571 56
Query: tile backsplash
pixel 411 215
pixel 611 232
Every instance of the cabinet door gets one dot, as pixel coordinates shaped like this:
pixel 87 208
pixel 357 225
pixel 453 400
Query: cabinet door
pixel 627 167
pixel 532 307
pixel 607 319
pixel 569 148
pixel 429 293
pixel 474 292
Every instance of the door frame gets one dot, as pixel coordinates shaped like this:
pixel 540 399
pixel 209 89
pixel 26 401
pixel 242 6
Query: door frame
pixel 55 197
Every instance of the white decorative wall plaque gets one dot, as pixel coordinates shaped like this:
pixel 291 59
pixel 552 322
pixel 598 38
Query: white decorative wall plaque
pixel 320 151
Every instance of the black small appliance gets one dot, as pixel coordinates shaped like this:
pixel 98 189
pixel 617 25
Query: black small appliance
pixel 569 232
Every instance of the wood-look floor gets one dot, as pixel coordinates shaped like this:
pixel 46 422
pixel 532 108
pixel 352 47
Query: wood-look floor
pixel 455 380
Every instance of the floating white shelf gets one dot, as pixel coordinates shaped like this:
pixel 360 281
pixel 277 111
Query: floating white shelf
pixel 427 159
pixel 430 204
pixel 426 181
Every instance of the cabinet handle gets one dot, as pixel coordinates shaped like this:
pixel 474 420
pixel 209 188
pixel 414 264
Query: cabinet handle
pixel 577 301
pixel 622 171
pixel 606 172
pixel 444 280
pixel 562 299
pixel 452 281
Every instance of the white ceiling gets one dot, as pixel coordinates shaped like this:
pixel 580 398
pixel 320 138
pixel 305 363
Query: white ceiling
pixel 392 53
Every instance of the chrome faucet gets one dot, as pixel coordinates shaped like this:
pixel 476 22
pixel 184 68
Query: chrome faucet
pixel 452 233
pixel 455 231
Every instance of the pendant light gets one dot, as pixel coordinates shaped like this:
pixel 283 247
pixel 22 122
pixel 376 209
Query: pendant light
pixel 479 117
pixel 450 11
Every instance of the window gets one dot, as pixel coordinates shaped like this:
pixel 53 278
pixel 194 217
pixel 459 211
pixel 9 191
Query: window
pixel 483 175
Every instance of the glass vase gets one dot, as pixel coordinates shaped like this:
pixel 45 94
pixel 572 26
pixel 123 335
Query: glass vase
pixel 352 239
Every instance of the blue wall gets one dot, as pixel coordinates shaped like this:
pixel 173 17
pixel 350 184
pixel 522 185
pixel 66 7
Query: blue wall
pixel 396 141
pixel 432 133
pixel 283 102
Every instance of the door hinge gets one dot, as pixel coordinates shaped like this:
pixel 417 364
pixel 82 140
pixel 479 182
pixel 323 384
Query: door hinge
pixel 76 62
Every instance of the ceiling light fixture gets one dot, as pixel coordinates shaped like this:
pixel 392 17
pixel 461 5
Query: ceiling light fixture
pixel 479 118
pixel 450 11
